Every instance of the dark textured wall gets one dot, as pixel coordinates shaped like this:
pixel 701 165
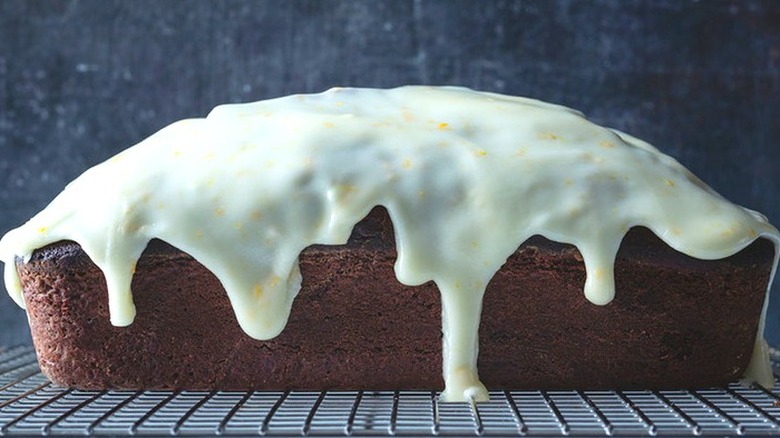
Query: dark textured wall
pixel 82 80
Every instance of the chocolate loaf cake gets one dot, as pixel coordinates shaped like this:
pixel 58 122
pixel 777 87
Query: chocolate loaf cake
pixel 275 274
pixel 676 322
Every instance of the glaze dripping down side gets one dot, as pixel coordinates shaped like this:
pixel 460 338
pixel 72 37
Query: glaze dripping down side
pixel 465 176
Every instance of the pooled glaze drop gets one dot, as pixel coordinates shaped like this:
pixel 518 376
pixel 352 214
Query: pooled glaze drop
pixel 465 176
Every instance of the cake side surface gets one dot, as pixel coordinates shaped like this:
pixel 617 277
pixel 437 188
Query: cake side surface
pixel 676 321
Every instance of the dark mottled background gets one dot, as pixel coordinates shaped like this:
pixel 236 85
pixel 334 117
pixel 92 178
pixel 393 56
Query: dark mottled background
pixel 82 80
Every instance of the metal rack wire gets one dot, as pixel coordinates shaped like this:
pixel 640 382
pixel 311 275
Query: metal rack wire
pixel 31 405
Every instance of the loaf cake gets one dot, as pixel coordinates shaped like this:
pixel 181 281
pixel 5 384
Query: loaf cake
pixel 432 236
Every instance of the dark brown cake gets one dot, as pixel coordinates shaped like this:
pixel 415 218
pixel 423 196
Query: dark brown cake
pixel 675 322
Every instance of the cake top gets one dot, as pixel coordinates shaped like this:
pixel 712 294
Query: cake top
pixel 466 177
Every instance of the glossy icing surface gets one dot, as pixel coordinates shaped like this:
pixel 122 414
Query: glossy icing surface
pixel 465 176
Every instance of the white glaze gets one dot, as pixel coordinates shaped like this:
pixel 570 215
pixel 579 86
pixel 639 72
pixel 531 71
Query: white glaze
pixel 465 176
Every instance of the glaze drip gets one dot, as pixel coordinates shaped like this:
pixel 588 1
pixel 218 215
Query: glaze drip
pixel 465 176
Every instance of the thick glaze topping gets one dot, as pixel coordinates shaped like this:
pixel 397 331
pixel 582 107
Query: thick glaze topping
pixel 465 176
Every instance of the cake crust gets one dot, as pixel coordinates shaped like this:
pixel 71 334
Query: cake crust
pixel 676 322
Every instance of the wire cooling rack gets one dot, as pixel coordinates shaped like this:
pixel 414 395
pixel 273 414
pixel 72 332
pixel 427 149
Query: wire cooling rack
pixel 31 405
